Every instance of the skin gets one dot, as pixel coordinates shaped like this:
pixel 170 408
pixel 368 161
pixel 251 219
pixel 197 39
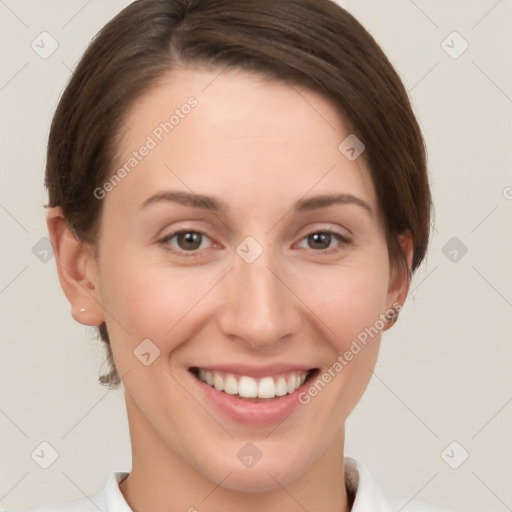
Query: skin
pixel 258 146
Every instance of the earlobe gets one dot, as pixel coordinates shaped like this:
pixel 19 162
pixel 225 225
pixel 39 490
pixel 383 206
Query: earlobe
pixel 77 270
pixel 399 280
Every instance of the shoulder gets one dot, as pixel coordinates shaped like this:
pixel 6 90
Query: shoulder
pixel 369 495
pixel 107 499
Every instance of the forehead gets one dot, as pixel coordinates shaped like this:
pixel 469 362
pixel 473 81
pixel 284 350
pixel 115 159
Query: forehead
pixel 212 130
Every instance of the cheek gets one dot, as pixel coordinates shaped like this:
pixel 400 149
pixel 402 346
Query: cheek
pixel 349 303
pixel 147 300
pixel 350 298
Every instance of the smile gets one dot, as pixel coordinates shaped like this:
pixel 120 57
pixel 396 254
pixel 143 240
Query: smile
pixel 249 387
pixel 250 395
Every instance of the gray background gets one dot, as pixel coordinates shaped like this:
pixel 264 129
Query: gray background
pixel 444 369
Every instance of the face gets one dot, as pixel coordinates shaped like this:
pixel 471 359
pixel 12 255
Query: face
pixel 255 286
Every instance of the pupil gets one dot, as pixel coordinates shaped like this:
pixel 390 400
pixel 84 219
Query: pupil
pixel 319 236
pixel 190 239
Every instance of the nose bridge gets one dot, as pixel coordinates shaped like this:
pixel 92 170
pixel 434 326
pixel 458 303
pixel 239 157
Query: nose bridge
pixel 259 309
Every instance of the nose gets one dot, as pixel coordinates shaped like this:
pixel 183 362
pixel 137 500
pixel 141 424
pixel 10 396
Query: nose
pixel 260 307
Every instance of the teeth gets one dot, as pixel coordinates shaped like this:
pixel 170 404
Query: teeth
pixel 244 386
pixel 230 385
pixel 291 384
pixel 247 387
pixel 281 387
pixel 218 382
pixel 267 388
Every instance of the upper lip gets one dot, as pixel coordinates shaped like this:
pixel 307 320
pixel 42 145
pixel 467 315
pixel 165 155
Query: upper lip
pixel 256 371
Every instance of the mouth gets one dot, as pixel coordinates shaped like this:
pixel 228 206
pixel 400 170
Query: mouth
pixel 251 389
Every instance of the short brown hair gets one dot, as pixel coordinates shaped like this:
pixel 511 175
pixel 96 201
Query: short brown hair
pixel 312 43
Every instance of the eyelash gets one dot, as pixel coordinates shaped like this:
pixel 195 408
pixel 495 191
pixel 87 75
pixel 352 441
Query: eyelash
pixel 194 254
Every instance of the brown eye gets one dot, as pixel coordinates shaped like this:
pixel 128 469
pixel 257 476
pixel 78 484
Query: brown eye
pixel 320 241
pixel 186 241
pixel 189 240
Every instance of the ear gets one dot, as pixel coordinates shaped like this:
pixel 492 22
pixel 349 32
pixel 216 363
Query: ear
pixel 399 278
pixel 77 270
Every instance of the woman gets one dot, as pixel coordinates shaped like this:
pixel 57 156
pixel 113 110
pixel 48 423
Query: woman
pixel 238 197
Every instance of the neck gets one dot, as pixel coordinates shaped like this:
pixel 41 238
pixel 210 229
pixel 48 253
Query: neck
pixel 162 480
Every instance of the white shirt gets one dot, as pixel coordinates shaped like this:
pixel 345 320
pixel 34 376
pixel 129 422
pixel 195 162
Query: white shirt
pixel 369 496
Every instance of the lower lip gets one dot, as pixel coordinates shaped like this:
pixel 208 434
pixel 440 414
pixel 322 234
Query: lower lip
pixel 260 413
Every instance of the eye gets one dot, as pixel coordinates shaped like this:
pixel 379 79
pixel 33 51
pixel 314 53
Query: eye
pixel 188 241
pixel 321 240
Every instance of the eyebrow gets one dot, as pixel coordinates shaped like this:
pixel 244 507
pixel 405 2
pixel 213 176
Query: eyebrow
pixel 214 205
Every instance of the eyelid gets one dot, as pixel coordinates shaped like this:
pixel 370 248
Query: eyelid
pixel 345 234
pixel 344 240
pixel 164 241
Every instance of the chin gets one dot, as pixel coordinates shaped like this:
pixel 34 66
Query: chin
pixel 256 480
pixel 267 474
